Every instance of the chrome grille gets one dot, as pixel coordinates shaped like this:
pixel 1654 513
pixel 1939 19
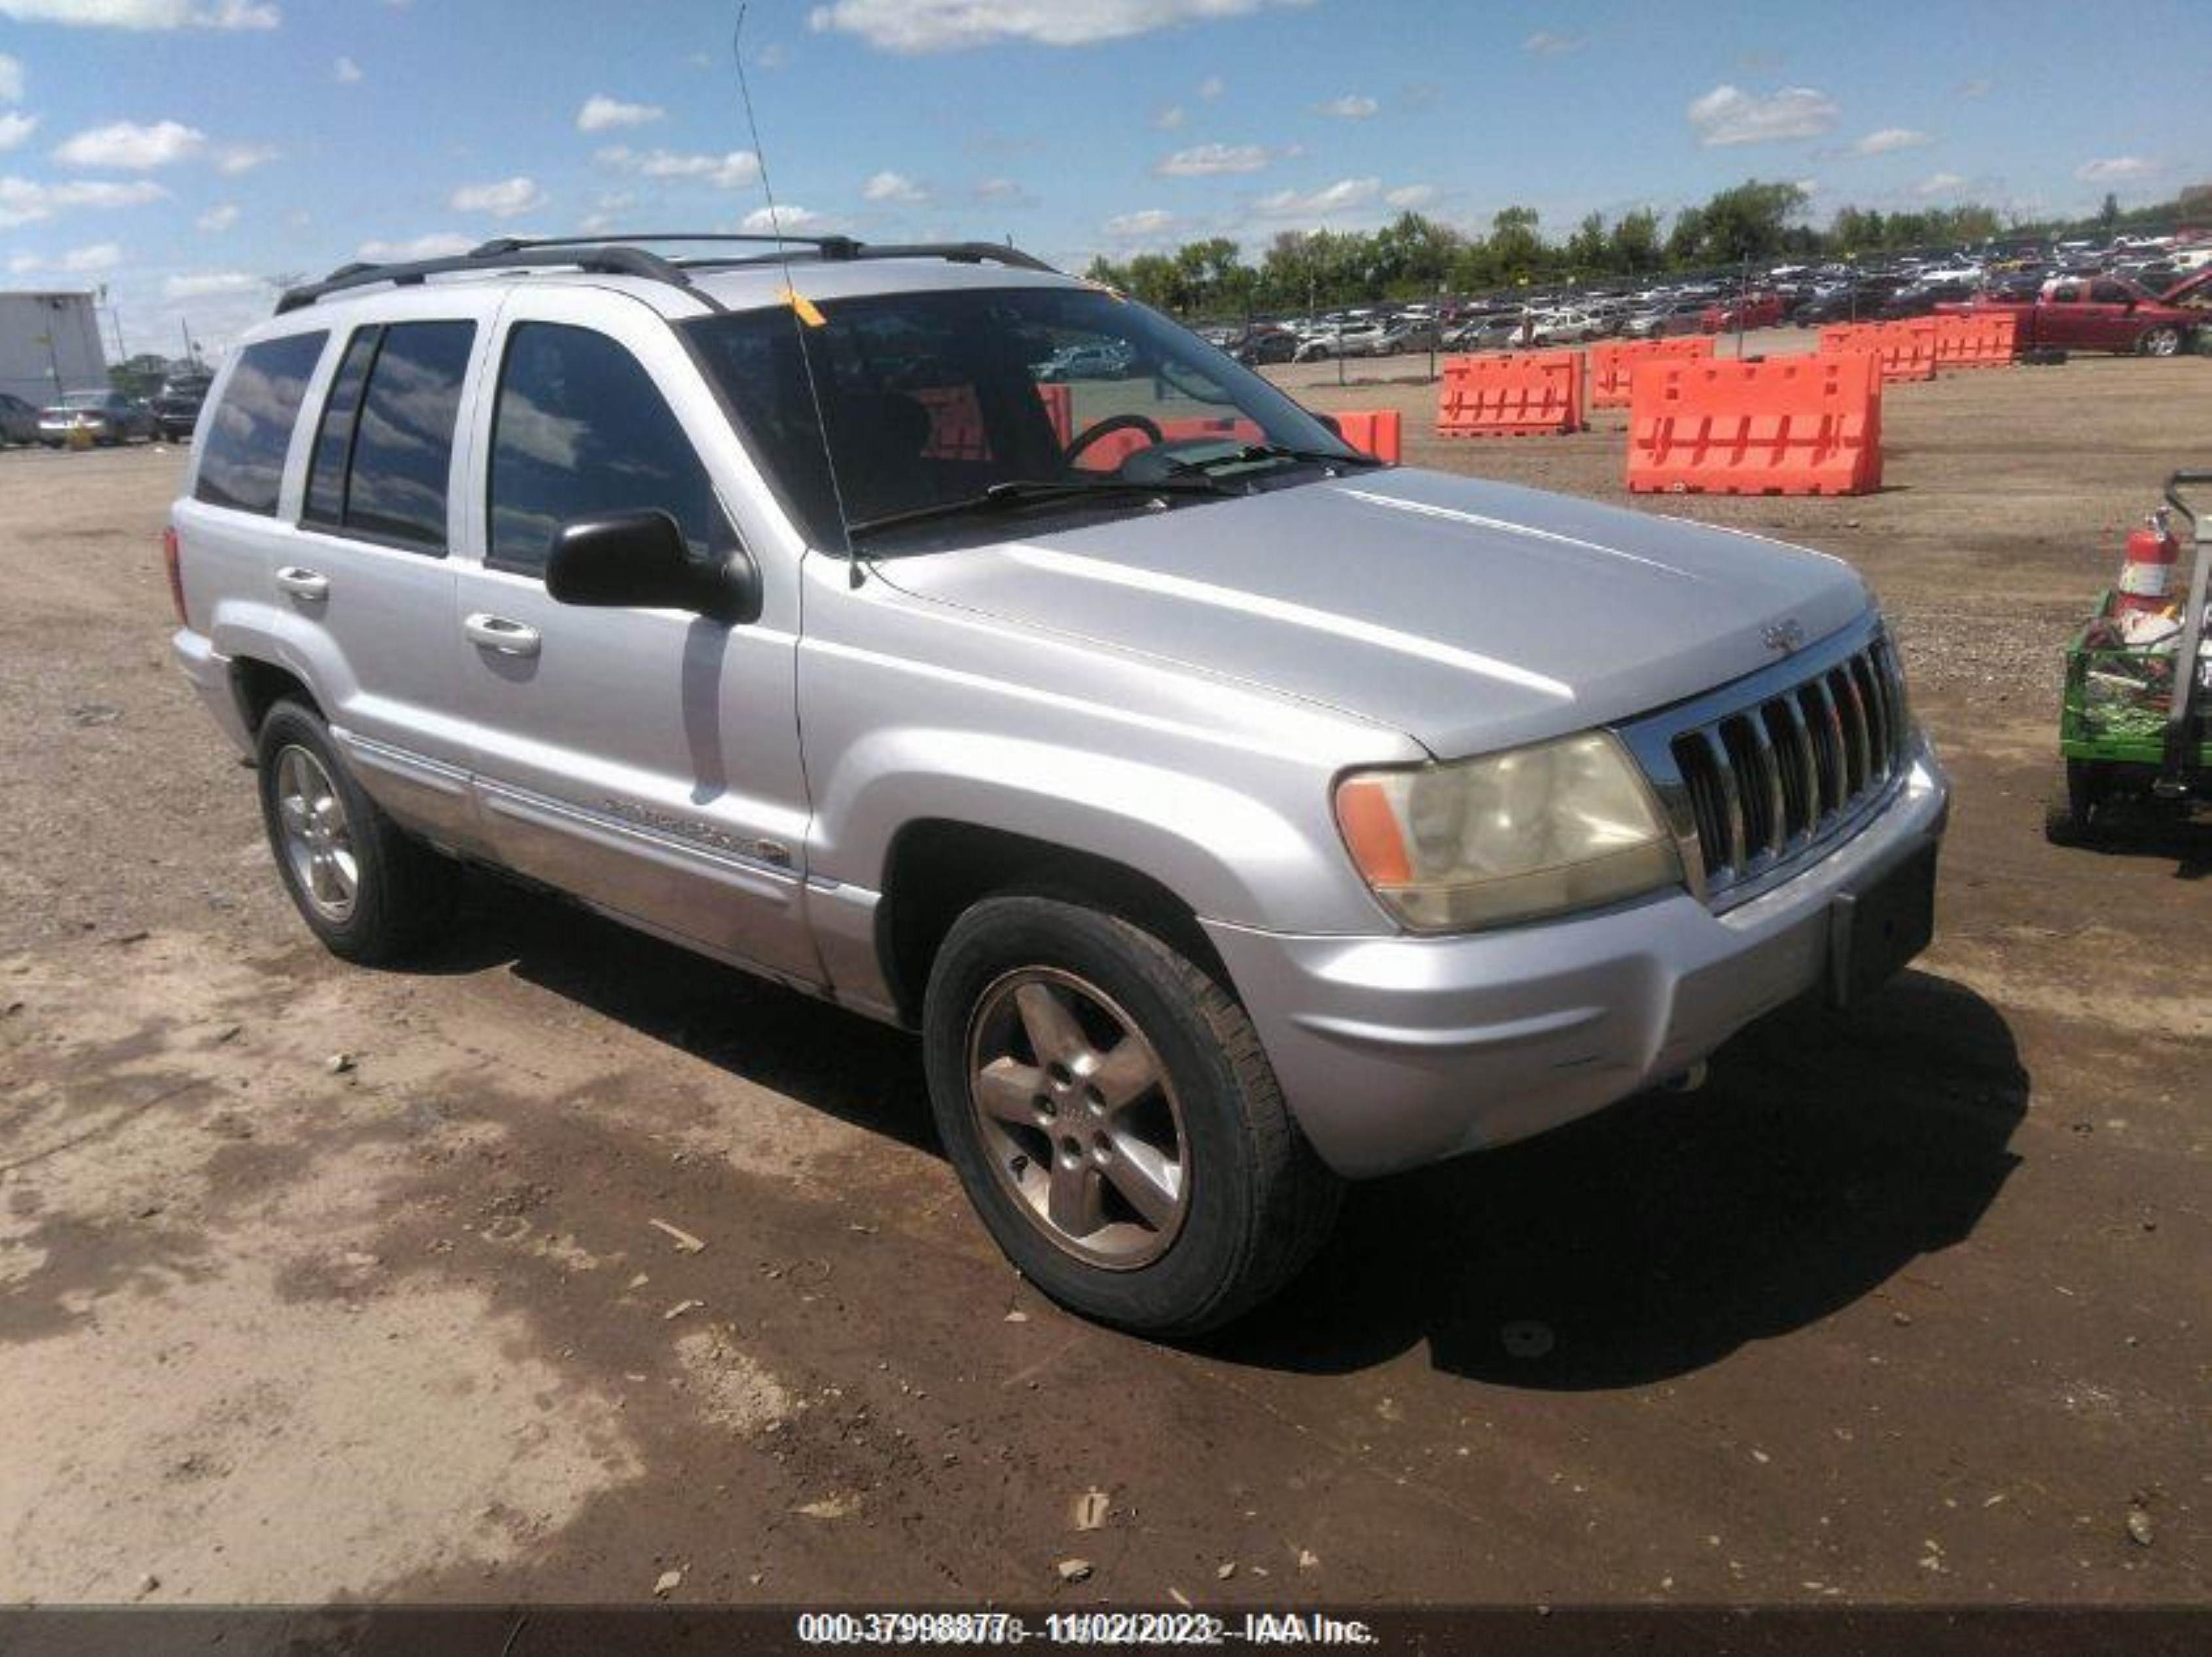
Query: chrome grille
pixel 1760 775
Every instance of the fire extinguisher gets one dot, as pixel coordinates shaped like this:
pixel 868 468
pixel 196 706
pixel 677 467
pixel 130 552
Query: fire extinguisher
pixel 2147 576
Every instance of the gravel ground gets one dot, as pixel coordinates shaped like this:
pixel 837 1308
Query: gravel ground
pixel 320 1282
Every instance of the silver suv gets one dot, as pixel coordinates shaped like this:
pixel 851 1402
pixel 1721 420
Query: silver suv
pixel 1231 815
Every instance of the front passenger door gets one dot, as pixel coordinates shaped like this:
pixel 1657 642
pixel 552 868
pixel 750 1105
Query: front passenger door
pixel 644 760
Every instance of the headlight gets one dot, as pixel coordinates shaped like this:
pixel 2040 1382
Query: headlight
pixel 1515 836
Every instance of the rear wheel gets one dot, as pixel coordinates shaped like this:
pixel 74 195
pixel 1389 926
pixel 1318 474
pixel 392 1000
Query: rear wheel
pixel 2164 340
pixel 1108 1107
pixel 2071 814
pixel 372 894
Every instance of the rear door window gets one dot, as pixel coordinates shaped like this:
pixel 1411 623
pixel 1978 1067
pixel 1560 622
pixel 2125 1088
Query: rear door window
pixel 244 443
pixel 402 440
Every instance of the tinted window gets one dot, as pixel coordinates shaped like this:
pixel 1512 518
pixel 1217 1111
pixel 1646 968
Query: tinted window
pixel 2109 293
pixel 2068 294
pixel 581 430
pixel 403 441
pixel 326 471
pixel 243 443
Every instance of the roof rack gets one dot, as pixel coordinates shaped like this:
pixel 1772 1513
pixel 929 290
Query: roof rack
pixel 618 255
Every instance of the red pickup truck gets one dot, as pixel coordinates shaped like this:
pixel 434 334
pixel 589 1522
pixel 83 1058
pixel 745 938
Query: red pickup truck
pixel 2104 313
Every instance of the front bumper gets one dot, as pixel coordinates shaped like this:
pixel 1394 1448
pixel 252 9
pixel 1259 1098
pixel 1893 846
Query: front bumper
pixel 1397 1051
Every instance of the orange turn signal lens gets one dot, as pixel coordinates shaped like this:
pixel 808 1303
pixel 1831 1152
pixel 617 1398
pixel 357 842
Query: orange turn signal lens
pixel 1371 833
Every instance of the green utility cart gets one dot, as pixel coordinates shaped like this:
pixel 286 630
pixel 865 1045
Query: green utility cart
pixel 2135 728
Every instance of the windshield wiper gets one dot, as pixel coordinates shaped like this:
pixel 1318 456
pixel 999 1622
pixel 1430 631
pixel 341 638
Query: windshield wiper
pixel 1252 452
pixel 1026 492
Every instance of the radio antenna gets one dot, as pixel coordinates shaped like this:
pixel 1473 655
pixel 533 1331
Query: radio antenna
pixel 803 314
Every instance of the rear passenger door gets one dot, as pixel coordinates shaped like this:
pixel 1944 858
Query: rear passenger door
pixel 644 760
pixel 364 576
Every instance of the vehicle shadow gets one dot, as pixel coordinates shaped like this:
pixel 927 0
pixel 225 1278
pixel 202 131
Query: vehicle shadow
pixel 1648 1241
pixel 1653 1239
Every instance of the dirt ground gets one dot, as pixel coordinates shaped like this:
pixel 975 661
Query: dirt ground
pixel 1911 1309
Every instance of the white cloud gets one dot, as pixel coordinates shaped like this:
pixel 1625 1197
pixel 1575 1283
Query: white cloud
pixel 1730 115
pixel 1409 196
pixel 1350 107
pixel 14 128
pixel 1980 87
pixel 889 187
pixel 439 244
pixel 146 14
pixel 1941 183
pixel 1004 192
pixel 1151 221
pixel 100 256
pixel 1212 87
pixel 133 147
pixel 1890 139
pixel 506 199
pixel 25 201
pixel 11 79
pixel 1209 160
pixel 345 70
pixel 601 113
pixel 952 25
pixel 210 283
pixel 1169 118
pixel 736 171
pixel 1545 43
pixel 1340 197
pixel 786 221
pixel 217 218
pixel 2115 169
pixel 234 159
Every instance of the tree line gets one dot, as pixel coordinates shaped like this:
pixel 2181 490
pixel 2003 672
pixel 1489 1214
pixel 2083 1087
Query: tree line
pixel 1416 257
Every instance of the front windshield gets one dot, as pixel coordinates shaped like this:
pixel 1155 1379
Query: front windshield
pixel 935 398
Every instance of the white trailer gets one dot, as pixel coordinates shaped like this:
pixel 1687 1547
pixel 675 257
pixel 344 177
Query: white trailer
pixel 50 344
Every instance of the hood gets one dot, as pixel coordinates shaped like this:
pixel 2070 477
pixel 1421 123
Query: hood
pixel 1468 615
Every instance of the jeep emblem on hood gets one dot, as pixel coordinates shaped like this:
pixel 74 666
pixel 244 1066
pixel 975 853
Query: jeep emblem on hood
pixel 1787 636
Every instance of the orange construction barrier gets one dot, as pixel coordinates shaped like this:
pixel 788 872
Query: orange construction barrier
pixel 1795 425
pixel 1377 432
pixel 1518 394
pixel 1977 340
pixel 1614 362
pixel 1907 349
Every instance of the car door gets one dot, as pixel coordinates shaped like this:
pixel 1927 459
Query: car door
pixel 646 761
pixel 2110 324
pixel 362 572
pixel 2062 317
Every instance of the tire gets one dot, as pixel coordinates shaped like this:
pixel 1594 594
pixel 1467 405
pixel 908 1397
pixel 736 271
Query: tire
pixel 2071 814
pixel 2164 340
pixel 401 893
pixel 1252 1202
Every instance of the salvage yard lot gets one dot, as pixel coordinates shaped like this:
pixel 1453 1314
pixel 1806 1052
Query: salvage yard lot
pixel 319 1282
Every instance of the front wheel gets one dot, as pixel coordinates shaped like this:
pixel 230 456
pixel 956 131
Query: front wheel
pixel 1108 1107
pixel 2073 813
pixel 2163 341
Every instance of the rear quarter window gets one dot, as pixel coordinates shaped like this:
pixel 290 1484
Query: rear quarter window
pixel 244 442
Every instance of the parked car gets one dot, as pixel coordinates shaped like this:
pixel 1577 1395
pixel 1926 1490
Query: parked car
pixel 106 417
pixel 1211 866
pixel 1265 345
pixel 2104 313
pixel 1921 299
pixel 177 404
pixel 1676 317
pixel 1352 339
pixel 1103 361
pixel 1563 327
pixel 19 421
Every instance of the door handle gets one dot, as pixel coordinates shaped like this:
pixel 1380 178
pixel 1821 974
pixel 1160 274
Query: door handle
pixel 489 632
pixel 303 583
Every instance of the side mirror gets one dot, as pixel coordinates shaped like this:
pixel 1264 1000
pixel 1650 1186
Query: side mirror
pixel 640 561
pixel 1335 426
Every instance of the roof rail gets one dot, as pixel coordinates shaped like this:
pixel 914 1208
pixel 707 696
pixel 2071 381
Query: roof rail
pixel 617 255
pixel 495 256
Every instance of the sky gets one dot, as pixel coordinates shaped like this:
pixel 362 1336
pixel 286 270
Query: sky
pixel 179 154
